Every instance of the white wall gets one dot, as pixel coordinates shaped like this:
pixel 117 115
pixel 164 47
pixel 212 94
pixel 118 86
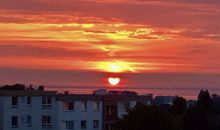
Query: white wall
pixel 23 110
pixel 77 115
pixel 1 113
pixel 121 110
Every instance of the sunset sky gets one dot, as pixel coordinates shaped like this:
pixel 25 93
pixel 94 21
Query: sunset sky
pixel 147 43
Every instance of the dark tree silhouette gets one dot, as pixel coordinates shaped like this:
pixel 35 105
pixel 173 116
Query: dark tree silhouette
pixel 13 87
pixel 204 103
pixel 41 88
pixel 200 117
pixel 143 117
pixel 179 106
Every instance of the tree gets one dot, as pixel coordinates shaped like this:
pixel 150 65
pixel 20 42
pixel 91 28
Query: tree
pixel 204 102
pixel 143 117
pixel 201 116
pixel 13 87
pixel 179 106
pixel 41 88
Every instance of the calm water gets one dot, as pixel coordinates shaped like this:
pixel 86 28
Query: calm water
pixel 186 93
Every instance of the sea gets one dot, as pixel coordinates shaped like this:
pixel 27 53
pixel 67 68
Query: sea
pixel 187 93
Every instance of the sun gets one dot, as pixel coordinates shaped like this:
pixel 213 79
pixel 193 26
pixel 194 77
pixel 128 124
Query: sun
pixel 113 80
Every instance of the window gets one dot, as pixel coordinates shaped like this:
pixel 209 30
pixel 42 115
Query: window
pixel 125 106
pixel 46 121
pixel 95 124
pixel 28 100
pixel 83 124
pixel 83 106
pixel 111 110
pixel 14 122
pixel 46 102
pixel 96 106
pixel 68 105
pixel 29 121
pixel 109 127
pixel 69 125
pixel 14 101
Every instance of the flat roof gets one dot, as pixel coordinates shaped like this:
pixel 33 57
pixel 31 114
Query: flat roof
pixel 108 97
pixel 27 93
pixel 77 97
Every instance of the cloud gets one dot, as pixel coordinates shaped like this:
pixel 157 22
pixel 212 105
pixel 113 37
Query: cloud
pixel 176 35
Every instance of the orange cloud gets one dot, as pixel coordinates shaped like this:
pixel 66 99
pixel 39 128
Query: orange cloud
pixel 139 36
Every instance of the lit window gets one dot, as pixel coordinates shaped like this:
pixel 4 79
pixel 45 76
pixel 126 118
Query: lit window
pixel 29 121
pixel 96 106
pixel 46 102
pixel 69 125
pixel 14 100
pixel 83 124
pixel 46 121
pixel 14 122
pixel 68 105
pixel 83 106
pixel 95 124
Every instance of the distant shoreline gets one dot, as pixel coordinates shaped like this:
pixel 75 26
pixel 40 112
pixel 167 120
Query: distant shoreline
pixel 188 93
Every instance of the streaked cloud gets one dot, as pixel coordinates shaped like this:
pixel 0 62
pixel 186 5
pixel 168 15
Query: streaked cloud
pixel 144 35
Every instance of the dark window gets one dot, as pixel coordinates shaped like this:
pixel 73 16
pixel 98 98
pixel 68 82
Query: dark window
pixel 83 106
pixel 109 127
pixel 83 124
pixel 111 110
pixel 95 124
pixel 125 106
pixel 69 125
pixel 29 121
pixel 46 121
pixel 96 106
pixel 14 100
pixel 29 100
pixel 68 105
pixel 14 122
pixel 46 102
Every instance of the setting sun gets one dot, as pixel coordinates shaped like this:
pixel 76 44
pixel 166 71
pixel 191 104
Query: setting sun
pixel 113 80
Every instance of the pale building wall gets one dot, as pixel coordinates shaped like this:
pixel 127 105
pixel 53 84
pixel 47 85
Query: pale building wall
pixel 77 115
pixel 23 110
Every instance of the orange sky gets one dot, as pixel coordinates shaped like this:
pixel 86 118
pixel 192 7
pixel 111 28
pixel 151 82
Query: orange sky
pixel 137 36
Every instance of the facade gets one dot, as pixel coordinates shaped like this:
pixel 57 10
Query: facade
pixel 48 110
pixel 164 100
pixel 28 110
pixel 117 104
pixel 79 112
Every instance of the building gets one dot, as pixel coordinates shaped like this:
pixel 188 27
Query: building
pixel 49 110
pixel 164 100
pixel 79 112
pixel 29 109
pixel 117 103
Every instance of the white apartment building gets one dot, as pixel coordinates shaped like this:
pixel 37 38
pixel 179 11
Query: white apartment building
pixel 28 110
pixel 80 112
pixel 47 110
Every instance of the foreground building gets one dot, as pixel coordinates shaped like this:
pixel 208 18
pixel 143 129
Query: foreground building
pixel 48 110
pixel 29 109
